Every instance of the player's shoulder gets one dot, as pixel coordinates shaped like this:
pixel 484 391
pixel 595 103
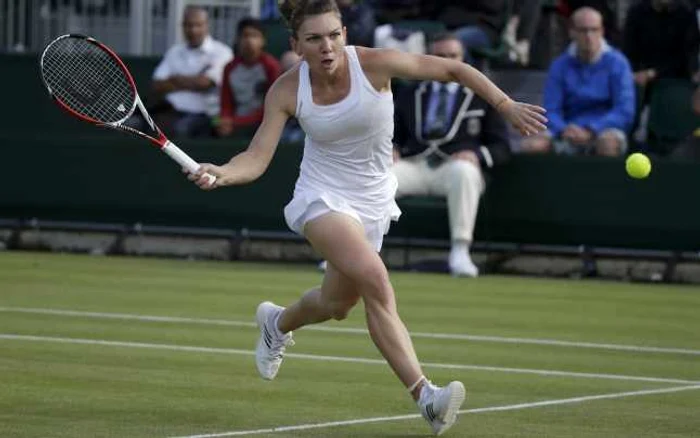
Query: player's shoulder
pixel 372 56
pixel 379 61
pixel 284 90
pixel 288 82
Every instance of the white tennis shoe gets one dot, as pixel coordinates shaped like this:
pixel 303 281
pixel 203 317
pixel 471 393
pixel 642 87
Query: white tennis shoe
pixel 271 345
pixel 440 406
pixel 461 265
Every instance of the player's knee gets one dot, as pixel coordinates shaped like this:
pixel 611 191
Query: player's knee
pixel 375 284
pixel 339 310
pixel 609 145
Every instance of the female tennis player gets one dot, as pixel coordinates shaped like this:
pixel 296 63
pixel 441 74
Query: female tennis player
pixel 343 200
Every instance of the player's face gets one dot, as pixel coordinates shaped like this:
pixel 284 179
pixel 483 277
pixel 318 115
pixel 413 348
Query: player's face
pixel 195 27
pixel 251 43
pixel 321 41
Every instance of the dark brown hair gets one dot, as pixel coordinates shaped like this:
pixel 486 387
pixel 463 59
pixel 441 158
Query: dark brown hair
pixel 295 12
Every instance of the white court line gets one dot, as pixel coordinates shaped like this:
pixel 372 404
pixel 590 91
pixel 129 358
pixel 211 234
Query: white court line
pixel 452 336
pixel 61 340
pixel 465 411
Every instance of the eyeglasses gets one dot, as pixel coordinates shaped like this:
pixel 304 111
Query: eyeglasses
pixel 586 30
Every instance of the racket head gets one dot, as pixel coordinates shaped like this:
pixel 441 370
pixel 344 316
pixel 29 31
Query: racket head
pixel 88 79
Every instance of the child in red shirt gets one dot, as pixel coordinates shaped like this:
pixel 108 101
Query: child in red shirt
pixel 246 80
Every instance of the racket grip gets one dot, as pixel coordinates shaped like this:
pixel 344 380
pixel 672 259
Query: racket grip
pixel 184 160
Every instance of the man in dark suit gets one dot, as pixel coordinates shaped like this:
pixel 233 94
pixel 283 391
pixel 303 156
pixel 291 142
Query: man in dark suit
pixel 446 139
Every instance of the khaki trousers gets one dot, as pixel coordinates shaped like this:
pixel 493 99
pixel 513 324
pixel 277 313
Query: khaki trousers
pixel 460 181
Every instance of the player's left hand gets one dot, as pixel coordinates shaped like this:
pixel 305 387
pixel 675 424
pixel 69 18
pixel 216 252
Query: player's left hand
pixel 527 119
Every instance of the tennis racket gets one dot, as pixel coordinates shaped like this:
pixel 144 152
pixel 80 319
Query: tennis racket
pixel 89 81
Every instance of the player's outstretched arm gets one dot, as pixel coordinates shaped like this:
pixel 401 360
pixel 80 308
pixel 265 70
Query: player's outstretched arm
pixel 250 164
pixel 528 119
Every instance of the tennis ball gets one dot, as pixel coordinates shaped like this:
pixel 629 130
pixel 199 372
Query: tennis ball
pixel 638 165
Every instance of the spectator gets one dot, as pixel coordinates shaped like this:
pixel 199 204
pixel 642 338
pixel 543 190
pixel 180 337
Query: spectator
pixel 269 10
pixel 661 41
pixel 390 11
pixel 359 21
pixel 472 139
pixel 604 7
pixel 521 28
pixel 246 80
pixel 690 149
pixel 188 78
pixel 589 95
pixel 477 23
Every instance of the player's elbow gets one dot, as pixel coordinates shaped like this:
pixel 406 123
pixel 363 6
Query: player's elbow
pixel 455 70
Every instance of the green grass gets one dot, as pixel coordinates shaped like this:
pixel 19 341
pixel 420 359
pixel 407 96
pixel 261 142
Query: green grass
pixel 52 389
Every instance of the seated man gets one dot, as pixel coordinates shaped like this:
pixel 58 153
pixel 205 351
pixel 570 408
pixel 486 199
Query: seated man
pixel 472 139
pixel 246 80
pixel 689 150
pixel 477 23
pixel 661 41
pixel 520 29
pixel 589 95
pixel 359 19
pixel 188 78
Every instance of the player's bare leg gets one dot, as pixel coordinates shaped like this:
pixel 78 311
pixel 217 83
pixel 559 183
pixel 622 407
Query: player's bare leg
pixel 333 300
pixel 356 271
pixel 340 239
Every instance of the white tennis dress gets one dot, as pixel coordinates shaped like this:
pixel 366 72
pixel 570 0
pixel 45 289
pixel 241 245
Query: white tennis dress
pixel 347 159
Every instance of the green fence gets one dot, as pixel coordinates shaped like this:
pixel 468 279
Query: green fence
pixel 543 199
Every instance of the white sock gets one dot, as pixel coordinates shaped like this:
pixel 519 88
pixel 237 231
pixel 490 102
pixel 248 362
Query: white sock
pixel 459 248
pixel 275 325
pixel 426 390
pixel 415 385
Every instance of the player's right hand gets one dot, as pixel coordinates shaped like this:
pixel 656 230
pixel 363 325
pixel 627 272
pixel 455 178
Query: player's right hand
pixel 202 177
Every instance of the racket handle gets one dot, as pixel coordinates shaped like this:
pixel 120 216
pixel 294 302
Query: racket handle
pixel 184 160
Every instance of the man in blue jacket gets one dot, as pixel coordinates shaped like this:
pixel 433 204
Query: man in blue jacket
pixel 589 95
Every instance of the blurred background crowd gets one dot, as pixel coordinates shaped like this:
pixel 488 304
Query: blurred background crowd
pixel 657 69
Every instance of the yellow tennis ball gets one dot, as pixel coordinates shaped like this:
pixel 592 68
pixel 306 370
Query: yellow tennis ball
pixel 638 165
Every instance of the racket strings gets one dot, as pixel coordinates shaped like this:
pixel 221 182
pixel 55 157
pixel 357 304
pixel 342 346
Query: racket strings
pixel 88 80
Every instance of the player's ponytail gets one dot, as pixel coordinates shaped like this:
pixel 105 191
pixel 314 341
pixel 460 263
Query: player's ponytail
pixel 294 12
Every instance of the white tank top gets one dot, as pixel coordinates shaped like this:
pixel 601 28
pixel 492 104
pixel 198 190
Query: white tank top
pixel 348 147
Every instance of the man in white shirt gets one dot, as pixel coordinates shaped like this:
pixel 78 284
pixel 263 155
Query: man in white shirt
pixel 189 77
